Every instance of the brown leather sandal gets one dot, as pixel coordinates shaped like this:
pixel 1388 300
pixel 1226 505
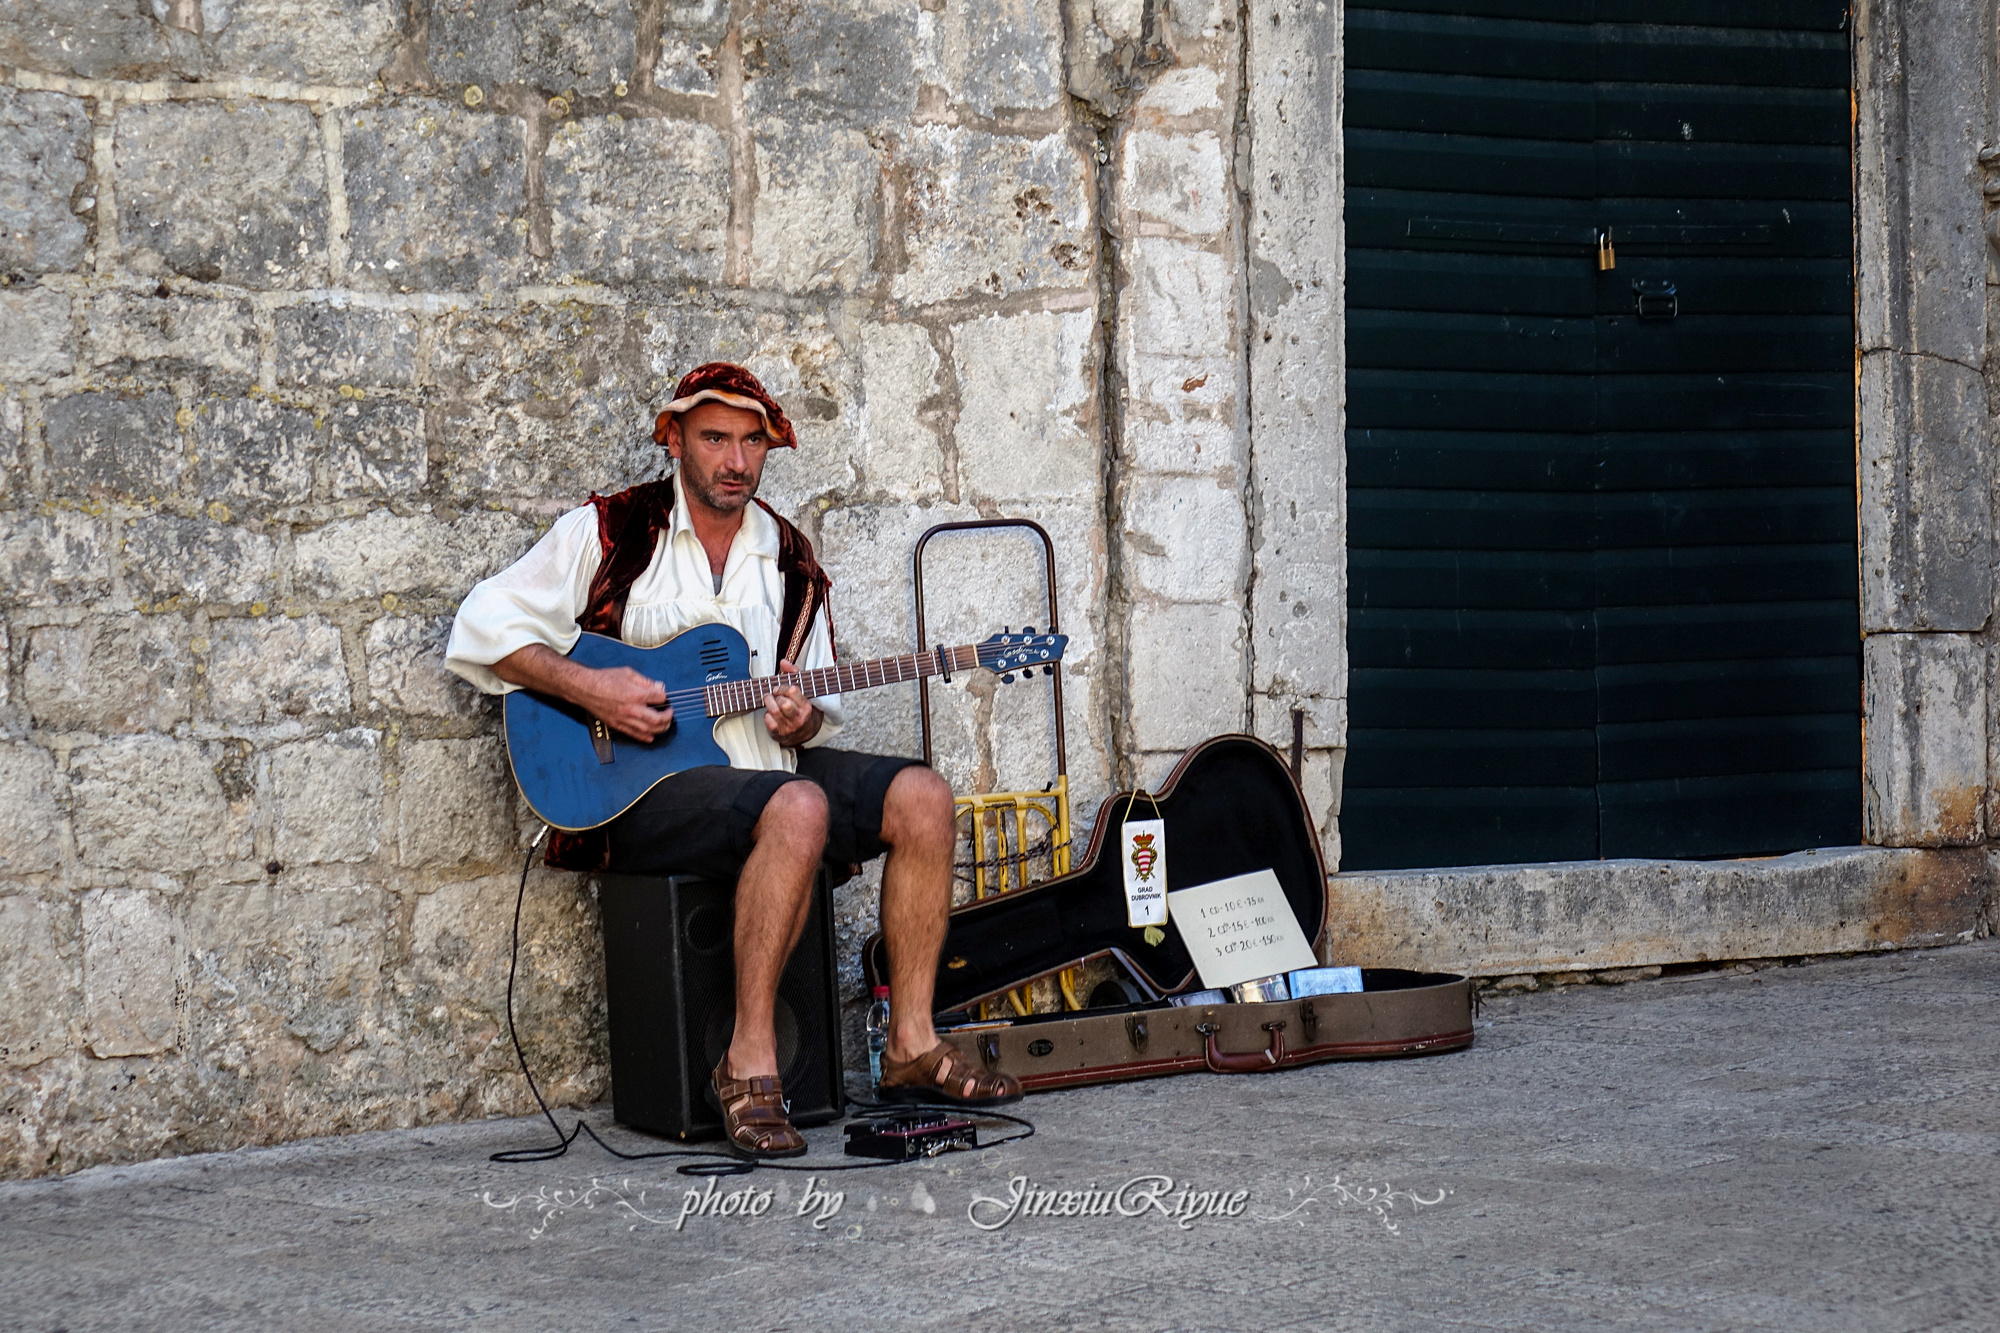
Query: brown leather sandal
pixel 753 1114
pixel 942 1074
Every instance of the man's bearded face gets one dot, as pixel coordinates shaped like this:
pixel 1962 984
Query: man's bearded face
pixel 721 452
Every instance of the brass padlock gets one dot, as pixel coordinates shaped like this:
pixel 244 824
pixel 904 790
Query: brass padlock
pixel 1607 257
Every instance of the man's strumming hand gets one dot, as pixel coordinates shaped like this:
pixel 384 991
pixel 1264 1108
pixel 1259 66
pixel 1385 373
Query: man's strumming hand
pixel 629 701
pixel 788 715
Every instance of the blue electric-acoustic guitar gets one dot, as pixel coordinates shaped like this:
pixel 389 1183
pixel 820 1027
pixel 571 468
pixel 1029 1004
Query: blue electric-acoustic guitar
pixel 576 773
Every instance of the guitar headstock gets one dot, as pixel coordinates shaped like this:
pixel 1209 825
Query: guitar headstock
pixel 1008 652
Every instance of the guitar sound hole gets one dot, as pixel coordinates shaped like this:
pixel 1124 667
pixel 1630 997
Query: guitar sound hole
pixel 714 654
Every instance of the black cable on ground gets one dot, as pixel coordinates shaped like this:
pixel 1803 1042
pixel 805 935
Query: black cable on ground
pixel 717 1162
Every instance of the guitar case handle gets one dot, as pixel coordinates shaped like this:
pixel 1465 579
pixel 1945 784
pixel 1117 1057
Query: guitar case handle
pixel 1250 1062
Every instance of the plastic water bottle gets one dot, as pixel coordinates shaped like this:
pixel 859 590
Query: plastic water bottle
pixel 878 1035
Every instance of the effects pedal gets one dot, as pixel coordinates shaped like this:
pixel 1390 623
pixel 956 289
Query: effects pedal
pixel 909 1134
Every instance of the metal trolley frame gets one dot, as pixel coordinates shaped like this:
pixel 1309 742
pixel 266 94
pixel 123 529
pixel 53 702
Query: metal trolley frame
pixel 1006 821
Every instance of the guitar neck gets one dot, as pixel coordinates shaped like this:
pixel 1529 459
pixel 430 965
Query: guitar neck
pixel 744 696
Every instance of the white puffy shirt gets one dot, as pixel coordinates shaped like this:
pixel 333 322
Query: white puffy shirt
pixel 538 598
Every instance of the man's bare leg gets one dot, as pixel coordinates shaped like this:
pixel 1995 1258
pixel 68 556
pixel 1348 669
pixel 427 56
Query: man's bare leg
pixel 916 899
pixel 773 894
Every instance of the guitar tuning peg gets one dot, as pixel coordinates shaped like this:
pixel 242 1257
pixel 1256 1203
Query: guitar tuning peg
pixel 1027 629
pixel 1007 679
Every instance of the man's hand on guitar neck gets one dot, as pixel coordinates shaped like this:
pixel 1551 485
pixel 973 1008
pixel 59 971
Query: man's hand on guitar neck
pixel 631 704
pixel 789 715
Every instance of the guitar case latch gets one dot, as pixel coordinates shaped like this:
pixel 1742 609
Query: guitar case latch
pixel 989 1050
pixel 1135 1031
pixel 1309 1020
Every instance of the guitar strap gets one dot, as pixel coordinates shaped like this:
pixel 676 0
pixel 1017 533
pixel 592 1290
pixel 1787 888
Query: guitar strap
pixel 806 589
pixel 629 525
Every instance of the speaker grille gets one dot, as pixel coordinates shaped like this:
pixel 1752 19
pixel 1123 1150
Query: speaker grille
pixel 707 934
pixel 720 1026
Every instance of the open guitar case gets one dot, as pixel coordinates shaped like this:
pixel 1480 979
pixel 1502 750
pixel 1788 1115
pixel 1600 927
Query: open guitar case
pixel 1231 807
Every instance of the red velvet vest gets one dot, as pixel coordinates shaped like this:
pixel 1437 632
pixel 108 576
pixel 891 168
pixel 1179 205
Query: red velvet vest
pixel 629 527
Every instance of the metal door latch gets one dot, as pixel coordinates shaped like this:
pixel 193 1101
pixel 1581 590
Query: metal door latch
pixel 1654 298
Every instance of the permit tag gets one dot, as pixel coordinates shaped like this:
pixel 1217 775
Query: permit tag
pixel 1143 856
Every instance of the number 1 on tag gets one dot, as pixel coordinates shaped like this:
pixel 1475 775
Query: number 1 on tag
pixel 1143 844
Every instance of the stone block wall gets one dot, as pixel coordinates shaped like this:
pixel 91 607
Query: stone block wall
pixel 313 315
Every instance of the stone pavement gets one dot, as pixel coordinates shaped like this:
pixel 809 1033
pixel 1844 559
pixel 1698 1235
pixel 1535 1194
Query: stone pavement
pixel 1813 1147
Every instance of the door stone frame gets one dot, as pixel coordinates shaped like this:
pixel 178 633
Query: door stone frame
pixel 1927 290
pixel 1924 115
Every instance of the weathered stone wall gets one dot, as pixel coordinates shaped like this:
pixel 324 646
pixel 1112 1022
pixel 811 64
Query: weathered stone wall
pixel 314 314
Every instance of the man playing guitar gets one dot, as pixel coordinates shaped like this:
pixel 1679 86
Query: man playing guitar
pixel 647 564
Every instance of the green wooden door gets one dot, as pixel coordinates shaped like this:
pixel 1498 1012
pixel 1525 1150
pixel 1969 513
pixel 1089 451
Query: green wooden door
pixel 1603 588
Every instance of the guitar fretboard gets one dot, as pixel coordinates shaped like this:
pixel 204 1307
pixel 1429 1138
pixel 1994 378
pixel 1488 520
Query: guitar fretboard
pixel 743 696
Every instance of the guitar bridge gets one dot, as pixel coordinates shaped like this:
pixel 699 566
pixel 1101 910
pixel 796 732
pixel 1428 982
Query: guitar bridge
pixel 600 740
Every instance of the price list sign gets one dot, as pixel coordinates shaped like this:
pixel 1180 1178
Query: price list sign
pixel 1239 929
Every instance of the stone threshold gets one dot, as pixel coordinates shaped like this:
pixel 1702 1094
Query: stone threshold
pixel 1590 916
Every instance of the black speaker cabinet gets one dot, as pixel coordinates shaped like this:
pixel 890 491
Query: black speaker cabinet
pixel 669 974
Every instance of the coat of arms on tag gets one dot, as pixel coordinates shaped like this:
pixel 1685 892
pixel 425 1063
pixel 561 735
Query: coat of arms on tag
pixel 1143 856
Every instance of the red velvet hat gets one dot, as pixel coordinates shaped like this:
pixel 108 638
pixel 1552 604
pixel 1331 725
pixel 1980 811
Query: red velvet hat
pixel 732 386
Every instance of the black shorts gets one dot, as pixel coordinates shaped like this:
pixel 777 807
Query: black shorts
pixel 699 821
